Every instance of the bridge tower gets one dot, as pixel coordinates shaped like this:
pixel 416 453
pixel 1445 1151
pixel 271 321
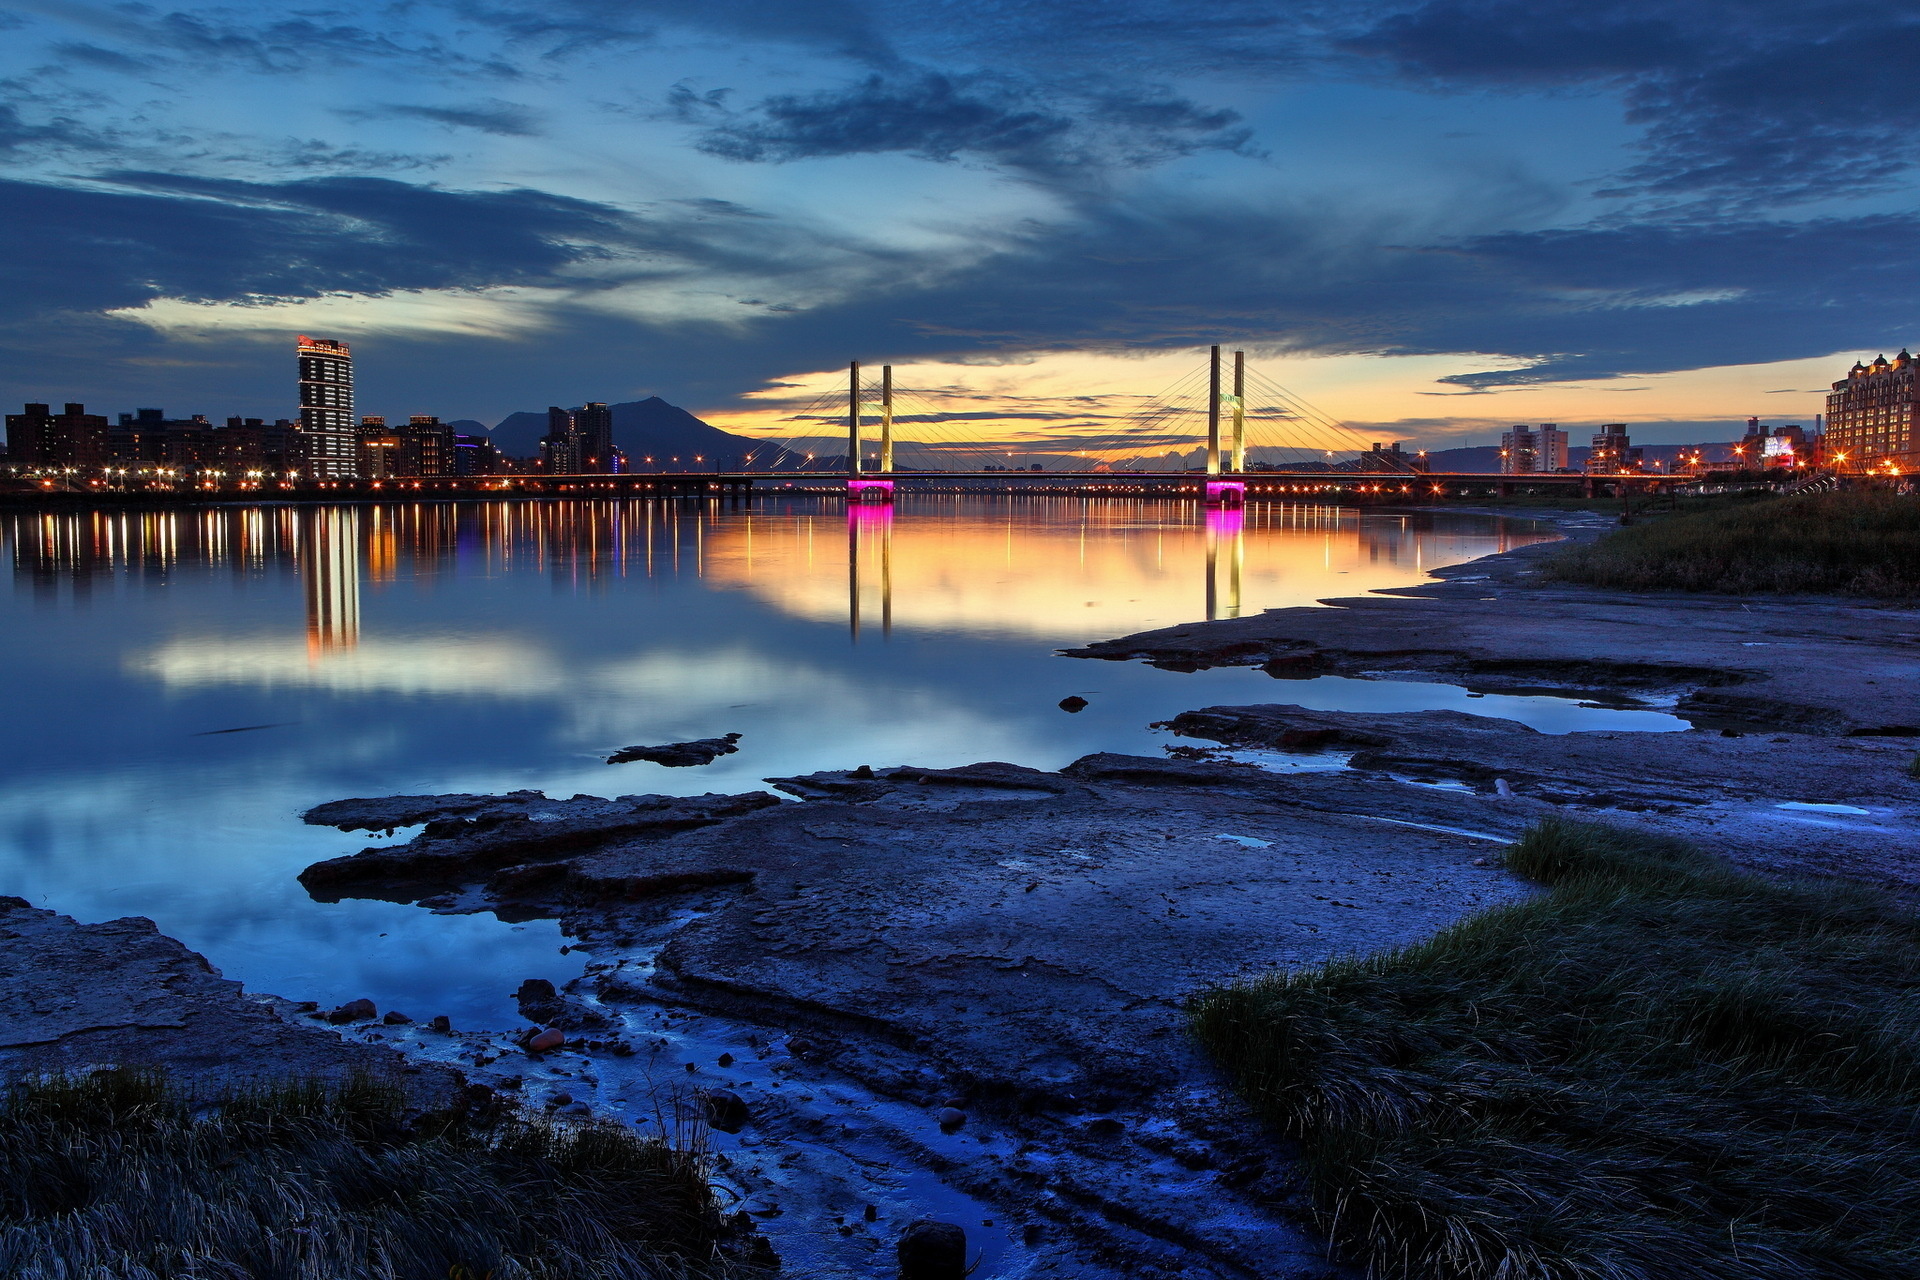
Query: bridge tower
pixel 859 487
pixel 1227 490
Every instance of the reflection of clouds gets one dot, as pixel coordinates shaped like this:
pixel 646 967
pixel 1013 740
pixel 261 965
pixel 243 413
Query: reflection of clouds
pixel 498 666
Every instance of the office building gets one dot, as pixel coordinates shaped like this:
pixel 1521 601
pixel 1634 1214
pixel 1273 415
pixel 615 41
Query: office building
pixel 39 439
pixel 330 436
pixel 1871 418
pixel 563 448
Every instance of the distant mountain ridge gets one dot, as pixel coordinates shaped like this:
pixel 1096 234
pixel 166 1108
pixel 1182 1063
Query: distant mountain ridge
pixel 650 428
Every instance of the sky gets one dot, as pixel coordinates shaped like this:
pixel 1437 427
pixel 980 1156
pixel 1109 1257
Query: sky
pixel 1429 218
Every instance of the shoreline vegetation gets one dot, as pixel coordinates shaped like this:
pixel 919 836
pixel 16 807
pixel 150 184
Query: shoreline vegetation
pixel 1851 542
pixel 1661 1066
pixel 117 1173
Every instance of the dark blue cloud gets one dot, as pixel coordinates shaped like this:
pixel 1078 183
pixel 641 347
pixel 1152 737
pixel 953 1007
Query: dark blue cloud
pixel 1767 103
pixel 943 118
pixel 159 235
pixel 502 119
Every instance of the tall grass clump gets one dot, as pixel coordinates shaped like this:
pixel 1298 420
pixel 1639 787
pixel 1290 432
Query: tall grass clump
pixel 1853 542
pixel 1660 1068
pixel 116 1175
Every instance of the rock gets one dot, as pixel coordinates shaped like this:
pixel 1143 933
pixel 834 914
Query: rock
pixel 679 755
pixel 561 1099
pixel 353 1011
pixel 726 1110
pixel 441 1022
pixel 1502 789
pixel 537 989
pixel 551 1038
pixel 865 771
pixel 1073 703
pixel 395 1018
pixel 951 1117
pixel 725 1060
pixel 931 1250
pixel 957 1102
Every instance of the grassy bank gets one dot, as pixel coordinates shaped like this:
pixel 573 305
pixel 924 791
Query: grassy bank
pixel 1660 1068
pixel 1861 542
pixel 113 1175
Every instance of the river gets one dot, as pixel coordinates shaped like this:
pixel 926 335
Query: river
pixel 181 684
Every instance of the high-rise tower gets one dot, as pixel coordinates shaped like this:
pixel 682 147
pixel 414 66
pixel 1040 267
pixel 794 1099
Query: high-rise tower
pixel 328 429
pixel 594 423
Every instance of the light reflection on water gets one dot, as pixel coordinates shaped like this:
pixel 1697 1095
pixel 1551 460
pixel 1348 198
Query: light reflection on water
pixel 374 650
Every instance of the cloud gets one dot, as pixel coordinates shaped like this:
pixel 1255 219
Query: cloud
pixel 143 235
pixel 1771 102
pixel 941 117
pixel 502 119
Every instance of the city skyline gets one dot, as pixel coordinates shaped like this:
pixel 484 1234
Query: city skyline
pixel 1597 217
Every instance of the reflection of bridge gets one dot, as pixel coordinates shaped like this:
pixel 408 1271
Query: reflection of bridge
pixel 870 545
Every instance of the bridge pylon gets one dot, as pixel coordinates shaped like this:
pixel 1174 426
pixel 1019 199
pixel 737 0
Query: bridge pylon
pixel 1227 489
pixel 860 486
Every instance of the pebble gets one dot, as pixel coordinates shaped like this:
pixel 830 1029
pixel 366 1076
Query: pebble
pixel 725 1060
pixel 551 1038
pixel 395 1018
pixel 951 1117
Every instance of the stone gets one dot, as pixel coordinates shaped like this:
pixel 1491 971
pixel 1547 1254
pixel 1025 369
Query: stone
pixel 725 1060
pixel 561 1099
pixel 395 1018
pixel 1073 703
pixel 951 1117
pixel 931 1250
pixel 353 1011
pixel 679 755
pixel 726 1110
pixel 537 989
pixel 441 1022
pixel 551 1038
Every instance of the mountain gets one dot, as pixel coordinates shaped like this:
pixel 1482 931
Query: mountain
pixel 649 428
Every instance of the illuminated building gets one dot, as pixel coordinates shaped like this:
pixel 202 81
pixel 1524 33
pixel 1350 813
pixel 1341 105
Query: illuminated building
pixel 1870 417
pixel 1533 450
pixel 563 448
pixel 1613 452
pixel 329 434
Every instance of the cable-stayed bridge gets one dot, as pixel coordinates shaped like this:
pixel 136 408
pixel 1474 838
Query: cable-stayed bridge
pixel 1221 430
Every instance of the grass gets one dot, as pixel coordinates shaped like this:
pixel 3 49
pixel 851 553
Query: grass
pixel 1853 542
pixel 1661 1067
pixel 114 1175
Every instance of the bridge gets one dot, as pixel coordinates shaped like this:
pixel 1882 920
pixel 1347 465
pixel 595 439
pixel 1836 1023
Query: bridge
pixel 1220 434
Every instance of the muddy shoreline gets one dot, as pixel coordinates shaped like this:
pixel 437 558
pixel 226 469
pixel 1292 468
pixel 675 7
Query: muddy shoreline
pixel 873 953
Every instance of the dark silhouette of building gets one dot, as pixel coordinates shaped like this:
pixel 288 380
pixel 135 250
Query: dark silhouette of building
pixel 41 440
pixel 330 436
pixel 593 422
pixel 1871 417
pixel 1381 457
pixel 474 455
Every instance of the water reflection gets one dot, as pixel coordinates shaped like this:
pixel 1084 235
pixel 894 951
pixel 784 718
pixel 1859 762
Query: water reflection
pixel 182 683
